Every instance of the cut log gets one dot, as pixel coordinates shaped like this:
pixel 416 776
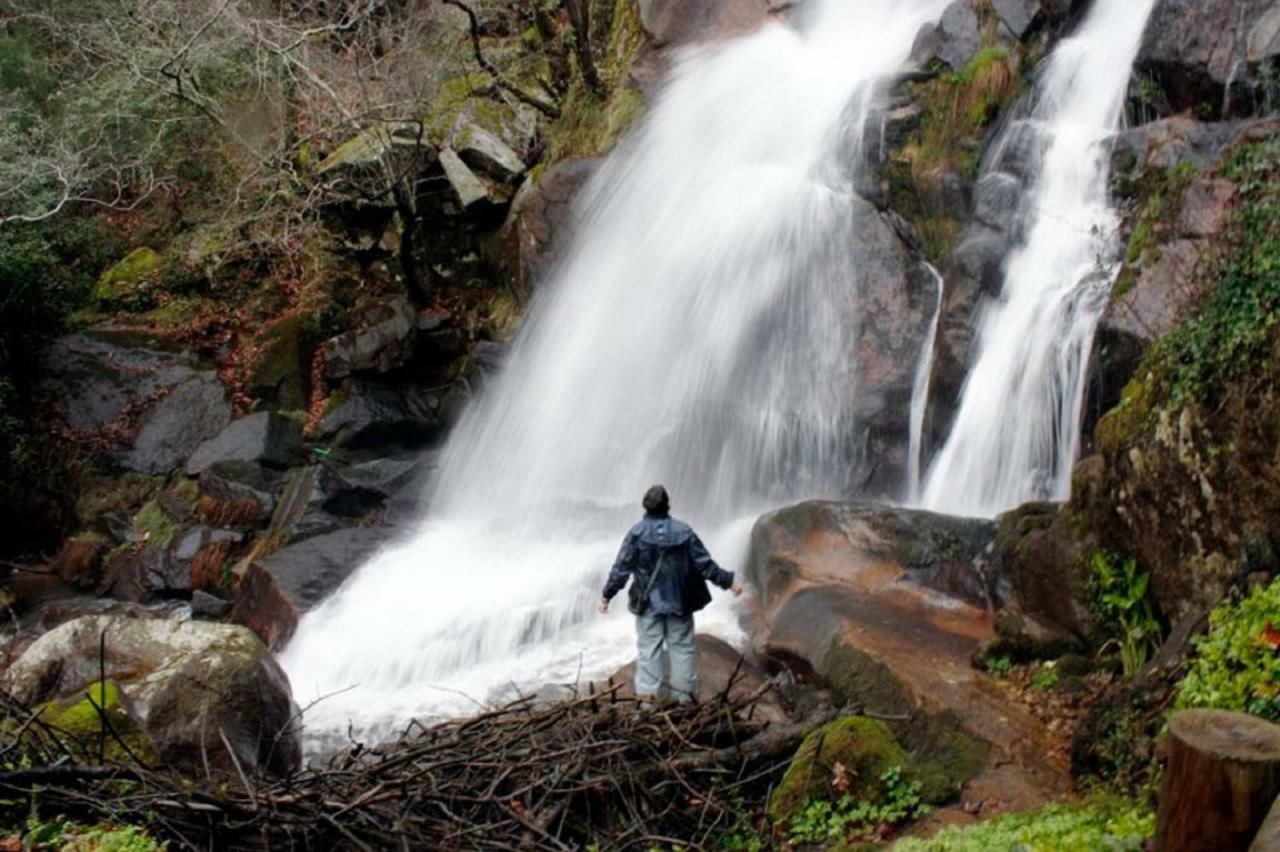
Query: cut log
pixel 1268 839
pixel 1222 776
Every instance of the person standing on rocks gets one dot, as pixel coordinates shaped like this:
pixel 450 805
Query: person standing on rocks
pixel 669 568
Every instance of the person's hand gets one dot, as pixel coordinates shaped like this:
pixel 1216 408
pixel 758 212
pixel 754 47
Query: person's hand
pixel 737 590
pixel 603 606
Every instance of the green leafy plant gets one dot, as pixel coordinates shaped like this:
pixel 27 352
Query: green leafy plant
pixel 1118 825
pixel 1045 677
pixel 1237 663
pixel 1120 594
pixel 998 666
pixel 821 820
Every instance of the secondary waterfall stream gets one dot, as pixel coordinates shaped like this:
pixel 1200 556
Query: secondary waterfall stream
pixel 698 334
pixel 1016 434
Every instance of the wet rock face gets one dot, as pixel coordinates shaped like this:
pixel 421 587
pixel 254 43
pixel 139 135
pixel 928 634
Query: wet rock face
pixel 1205 54
pixel 953 40
pixel 895 302
pixel 539 225
pixel 371 414
pixel 181 682
pixel 1038 567
pixel 845 540
pixel 277 590
pixel 675 22
pixel 877 604
pixel 188 415
pixel 157 402
pixel 265 437
pixel 1018 16
pixel 381 340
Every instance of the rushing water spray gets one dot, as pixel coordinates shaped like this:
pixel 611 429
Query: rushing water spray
pixel 699 334
pixel 1017 430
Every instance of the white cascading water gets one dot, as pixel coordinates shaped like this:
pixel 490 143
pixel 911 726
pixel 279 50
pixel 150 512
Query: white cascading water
pixel 920 397
pixel 698 334
pixel 1017 430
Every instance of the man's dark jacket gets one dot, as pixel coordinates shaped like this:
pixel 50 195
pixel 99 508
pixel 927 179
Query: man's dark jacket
pixel 681 588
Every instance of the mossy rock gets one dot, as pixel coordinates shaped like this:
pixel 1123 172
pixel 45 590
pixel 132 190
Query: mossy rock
pixel 280 369
pixel 859 679
pixel 86 735
pixel 934 751
pixel 864 747
pixel 943 755
pixel 106 494
pixel 176 312
pixel 156 524
pixel 124 281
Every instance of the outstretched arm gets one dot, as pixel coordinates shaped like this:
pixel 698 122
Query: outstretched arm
pixel 622 567
pixel 707 567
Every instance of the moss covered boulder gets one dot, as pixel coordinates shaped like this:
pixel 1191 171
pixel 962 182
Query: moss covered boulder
pixel 97 725
pixel 855 751
pixel 191 691
pixel 864 747
pixel 124 282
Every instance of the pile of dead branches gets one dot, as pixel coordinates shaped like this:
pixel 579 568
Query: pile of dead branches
pixel 600 770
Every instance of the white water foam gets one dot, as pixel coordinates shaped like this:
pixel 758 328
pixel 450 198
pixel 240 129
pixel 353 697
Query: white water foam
pixel 699 334
pixel 1016 433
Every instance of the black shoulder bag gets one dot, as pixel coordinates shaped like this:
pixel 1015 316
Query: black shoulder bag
pixel 637 600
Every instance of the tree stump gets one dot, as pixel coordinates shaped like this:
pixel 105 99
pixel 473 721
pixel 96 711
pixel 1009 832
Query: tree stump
pixel 1222 775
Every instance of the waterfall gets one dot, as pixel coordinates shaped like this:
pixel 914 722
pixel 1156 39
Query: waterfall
pixel 1016 432
pixel 698 334
pixel 920 396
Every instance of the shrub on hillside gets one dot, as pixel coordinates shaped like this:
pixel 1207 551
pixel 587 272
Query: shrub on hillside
pixel 1237 663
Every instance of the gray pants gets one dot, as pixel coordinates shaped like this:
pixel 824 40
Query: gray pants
pixel 665 642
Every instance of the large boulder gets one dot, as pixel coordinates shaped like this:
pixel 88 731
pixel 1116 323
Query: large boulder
pixel 266 437
pixel 486 154
pixel 370 414
pixel 953 40
pixel 151 401
pixel 1018 16
pixel 279 588
pixel 197 691
pixel 938 552
pixel 99 379
pixel 357 169
pixel 867 749
pixel 187 416
pixel 1205 54
pixel 381 339
pixel 538 226
pixel 878 605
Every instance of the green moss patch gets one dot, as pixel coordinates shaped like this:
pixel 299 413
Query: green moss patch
pixel 85 732
pixel 156 524
pixel 865 748
pixel 125 283
pixel 850 756
pixel 1158 195
pixel 102 494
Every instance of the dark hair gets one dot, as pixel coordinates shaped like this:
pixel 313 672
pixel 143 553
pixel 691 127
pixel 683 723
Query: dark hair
pixel 656 501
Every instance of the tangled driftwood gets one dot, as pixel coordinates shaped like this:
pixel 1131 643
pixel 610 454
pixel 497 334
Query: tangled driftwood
pixel 597 770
